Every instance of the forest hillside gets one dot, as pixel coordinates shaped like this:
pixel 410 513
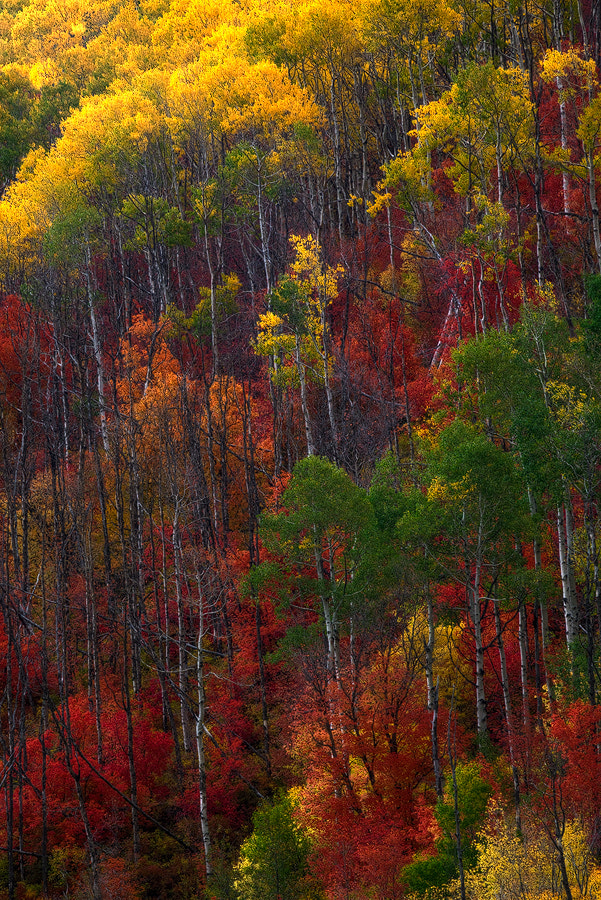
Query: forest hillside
pixel 300 449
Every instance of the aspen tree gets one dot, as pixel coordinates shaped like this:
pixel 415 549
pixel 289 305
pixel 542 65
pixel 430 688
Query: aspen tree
pixel 295 333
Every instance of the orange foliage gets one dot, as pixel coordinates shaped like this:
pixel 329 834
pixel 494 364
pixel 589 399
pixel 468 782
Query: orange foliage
pixel 367 761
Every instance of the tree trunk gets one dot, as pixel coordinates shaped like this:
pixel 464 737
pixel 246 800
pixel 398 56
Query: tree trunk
pixel 508 715
pixel 200 730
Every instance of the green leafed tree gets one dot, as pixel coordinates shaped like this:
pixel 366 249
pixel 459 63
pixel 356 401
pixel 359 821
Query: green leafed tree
pixel 273 863
pixel 324 529
pixel 459 814
pixel 471 517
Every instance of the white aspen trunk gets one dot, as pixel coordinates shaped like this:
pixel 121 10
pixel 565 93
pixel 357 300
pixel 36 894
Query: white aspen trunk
pixel 200 730
pixel 300 366
pixel 334 612
pixel 584 31
pixel 429 651
pixel 211 458
pixel 414 98
pixel 481 715
pixel 403 111
pixel 433 696
pixel 422 82
pixel 455 304
pixel 563 120
pixel 97 355
pixel 328 615
pixel 501 291
pixel 508 714
pixel 516 46
pixel 92 849
pixel 167 634
pixel 214 310
pixel 263 229
pixel 570 607
pixel 337 172
pixel 483 315
pixel 182 656
pixel 539 252
pixel 327 382
pixel 151 283
pixel 544 612
pixel 391 246
pixel 333 663
pixel 590 162
pixel 358 78
pixel 161 278
pixel 523 641
pixel 499 170
pixel 63 382
pixel 570 546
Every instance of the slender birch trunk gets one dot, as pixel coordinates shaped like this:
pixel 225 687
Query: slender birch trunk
pixel 508 715
pixel 200 732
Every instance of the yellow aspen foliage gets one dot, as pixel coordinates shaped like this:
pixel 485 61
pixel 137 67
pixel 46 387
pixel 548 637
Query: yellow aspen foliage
pixel 511 867
pixel 309 267
pixel 47 28
pixel 417 28
pixel 450 667
pixel 310 37
pixel 322 31
pixel 408 176
pixel 292 334
pixel 264 99
pixel 200 322
pixel 25 211
pixel 153 9
pixel 321 46
pixel 404 38
pixel 410 276
pixel 485 124
pixel 100 141
pixel 43 72
pixel 6 52
pixel 124 48
pixel 239 100
pixel 487 114
pixel 574 74
pixel 272 337
pixel 589 129
pixel 108 130
pixel 567 403
pixel 182 32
